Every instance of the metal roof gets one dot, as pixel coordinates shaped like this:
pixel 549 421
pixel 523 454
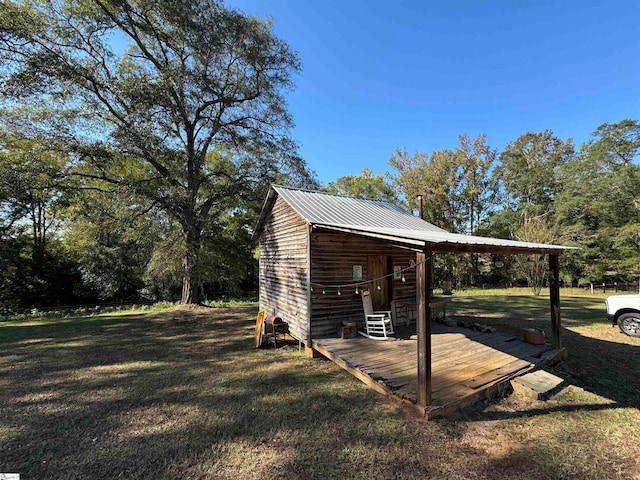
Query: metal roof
pixel 320 208
pixel 385 220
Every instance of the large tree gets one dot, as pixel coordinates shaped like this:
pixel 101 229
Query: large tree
pixel 435 177
pixel 529 168
pixel 456 193
pixel 142 91
pixel 475 188
pixel 599 206
pixel 538 229
pixel 29 198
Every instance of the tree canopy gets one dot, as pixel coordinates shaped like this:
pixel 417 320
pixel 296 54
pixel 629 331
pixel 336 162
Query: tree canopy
pixel 181 104
pixel 139 139
pixel 367 185
pixel 538 185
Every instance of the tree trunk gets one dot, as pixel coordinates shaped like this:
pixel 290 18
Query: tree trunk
pixel 191 278
pixel 38 226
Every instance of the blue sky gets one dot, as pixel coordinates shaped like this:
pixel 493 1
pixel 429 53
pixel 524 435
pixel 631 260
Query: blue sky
pixel 415 74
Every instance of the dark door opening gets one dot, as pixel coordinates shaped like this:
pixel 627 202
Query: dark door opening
pixel 378 271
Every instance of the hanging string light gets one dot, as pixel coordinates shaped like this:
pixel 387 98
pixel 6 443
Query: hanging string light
pixel 373 281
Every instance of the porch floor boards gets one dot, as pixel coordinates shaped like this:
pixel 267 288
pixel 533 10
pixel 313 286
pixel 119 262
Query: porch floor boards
pixel 466 365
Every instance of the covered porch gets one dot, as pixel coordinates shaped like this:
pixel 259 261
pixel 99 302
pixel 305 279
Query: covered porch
pixel 452 367
pixel 466 365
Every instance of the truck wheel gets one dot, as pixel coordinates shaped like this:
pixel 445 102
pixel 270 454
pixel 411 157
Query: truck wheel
pixel 629 324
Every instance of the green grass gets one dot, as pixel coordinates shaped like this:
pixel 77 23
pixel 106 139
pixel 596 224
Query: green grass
pixel 182 394
pixel 527 291
pixel 601 358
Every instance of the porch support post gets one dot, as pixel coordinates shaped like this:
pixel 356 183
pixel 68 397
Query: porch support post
pixel 554 293
pixel 308 350
pixel 423 325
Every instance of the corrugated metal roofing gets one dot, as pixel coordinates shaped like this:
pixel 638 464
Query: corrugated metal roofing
pixel 371 217
pixel 320 208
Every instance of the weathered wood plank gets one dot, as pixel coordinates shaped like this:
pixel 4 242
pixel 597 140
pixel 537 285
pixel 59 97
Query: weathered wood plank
pixel 537 385
pixel 333 256
pixel 282 267
pixel 378 386
pixel 469 371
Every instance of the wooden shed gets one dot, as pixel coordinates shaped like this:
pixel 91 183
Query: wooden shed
pixel 319 250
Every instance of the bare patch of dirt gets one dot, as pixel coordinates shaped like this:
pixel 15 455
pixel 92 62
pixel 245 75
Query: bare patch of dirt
pixel 487 436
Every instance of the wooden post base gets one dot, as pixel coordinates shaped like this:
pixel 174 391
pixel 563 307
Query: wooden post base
pixel 311 353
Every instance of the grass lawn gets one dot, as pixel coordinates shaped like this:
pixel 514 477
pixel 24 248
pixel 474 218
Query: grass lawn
pixel 182 394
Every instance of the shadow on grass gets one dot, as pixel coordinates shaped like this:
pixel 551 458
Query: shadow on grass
pixel 174 394
pixel 532 412
pixel 184 395
pixel 609 369
pixel 600 358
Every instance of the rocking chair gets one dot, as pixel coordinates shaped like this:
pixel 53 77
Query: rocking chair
pixel 377 323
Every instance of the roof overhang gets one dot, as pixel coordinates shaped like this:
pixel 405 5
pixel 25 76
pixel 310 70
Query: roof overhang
pixel 416 245
pixel 419 237
pixel 266 208
pixel 451 243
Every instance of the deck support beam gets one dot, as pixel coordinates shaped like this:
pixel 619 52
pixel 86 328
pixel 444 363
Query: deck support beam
pixel 309 288
pixel 554 294
pixel 424 264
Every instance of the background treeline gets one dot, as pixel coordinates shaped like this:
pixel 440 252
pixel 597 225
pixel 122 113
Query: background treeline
pixel 540 188
pixel 65 242
pixel 138 140
pixel 137 143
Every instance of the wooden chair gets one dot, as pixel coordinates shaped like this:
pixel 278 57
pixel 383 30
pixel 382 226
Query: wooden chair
pixel 402 313
pixel 378 323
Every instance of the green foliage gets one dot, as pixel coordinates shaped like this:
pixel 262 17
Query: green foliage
pixel 599 207
pixel 30 198
pixel 539 229
pixel 367 185
pixel 113 236
pixel 194 79
pixel 24 284
pixel 590 199
pixel 457 194
pixel 163 273
pixel 529 171
pixel 13 271
pixel 435 178
pixel 475 189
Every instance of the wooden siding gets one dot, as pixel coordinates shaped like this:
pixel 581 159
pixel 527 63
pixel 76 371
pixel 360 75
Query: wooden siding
pixel 283 267
pixel 333 256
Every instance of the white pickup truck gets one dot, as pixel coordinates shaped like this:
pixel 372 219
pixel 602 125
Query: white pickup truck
pixel 624 311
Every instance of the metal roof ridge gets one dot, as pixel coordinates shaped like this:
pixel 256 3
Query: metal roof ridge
pixel 338 195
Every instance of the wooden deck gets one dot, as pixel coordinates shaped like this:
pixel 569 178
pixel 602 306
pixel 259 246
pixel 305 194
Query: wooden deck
pixel 466 365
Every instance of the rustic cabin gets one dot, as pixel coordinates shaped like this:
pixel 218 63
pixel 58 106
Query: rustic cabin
pixel 319 252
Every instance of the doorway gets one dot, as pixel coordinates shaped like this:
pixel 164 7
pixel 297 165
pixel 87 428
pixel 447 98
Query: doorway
pixel 379 266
